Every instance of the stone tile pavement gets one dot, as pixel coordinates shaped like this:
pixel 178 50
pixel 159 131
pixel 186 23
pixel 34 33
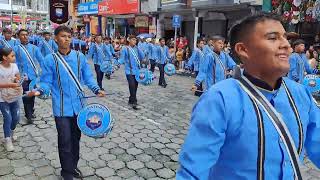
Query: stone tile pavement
pixel 144 144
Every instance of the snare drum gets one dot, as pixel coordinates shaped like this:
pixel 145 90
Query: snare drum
pixel 144 76
pixel 106 67
pixel 312 82
pixel 169 69
pixel 43 88
pixel 95 120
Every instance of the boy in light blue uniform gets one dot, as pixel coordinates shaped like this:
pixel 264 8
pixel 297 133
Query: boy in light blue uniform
pixel 29 60
pixel 7 40
pixel 67 100
pixel 299 63
pixel 196 60
pixel 47 45
pixel 98 53
pixel 215 66
pixel 163 58
pixel 131 56
pixel 75 44
pixel 230 135
pixel 153 54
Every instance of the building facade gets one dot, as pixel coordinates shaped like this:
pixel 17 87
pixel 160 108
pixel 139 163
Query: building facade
pixel 31 14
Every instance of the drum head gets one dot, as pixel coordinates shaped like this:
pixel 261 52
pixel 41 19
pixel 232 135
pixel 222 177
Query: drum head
pixel 95 120
pixel 169 69
pixel 106 67
pixel 144 76
pixel 34 84
pixel 312 82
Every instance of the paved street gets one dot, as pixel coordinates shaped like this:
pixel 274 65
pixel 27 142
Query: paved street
pixel 143 144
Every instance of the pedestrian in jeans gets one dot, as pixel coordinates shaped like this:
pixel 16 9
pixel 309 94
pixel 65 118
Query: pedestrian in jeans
pixel 10 93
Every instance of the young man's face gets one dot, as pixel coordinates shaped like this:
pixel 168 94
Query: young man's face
pixel 98 39
pixel 300 48
pixel 47 36
pixel 218 45
pixel 266 50
pixel 63 39
pixel 201 44
pixel 7 35
pixel 162 42
pixel 133 41
pixel 24 37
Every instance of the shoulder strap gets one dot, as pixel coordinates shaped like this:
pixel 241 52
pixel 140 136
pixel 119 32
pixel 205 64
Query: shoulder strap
pixel 31 61
pixel 66 66
pixel 130 65
pixel 275 118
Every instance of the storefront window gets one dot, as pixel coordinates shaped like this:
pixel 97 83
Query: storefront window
pixel 18 2
pixel 4 1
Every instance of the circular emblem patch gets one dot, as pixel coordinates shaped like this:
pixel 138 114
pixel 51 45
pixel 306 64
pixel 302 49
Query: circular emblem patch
pixel 95 120
pixel 312 82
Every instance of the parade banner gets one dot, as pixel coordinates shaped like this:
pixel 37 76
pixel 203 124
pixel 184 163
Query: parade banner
pixel 116 7
pixel 59 11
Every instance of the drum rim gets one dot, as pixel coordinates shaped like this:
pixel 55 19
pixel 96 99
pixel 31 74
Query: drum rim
pixel 110 117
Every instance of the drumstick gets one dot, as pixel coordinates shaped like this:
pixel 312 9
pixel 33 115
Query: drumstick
pixel 87 97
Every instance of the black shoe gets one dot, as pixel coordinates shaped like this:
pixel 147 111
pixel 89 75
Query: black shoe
pixel 77 173
pixel 102 89
pixel 135 107
pixel 33 116
pixel 164 86
pixel 29 121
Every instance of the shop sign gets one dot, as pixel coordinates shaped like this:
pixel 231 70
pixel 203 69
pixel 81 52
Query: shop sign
pixel 116 7
pixel 141 21
pixel 88 8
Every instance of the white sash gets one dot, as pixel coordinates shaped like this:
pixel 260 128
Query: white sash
pixel 31 61
pixel 66 66
pixel 99 49
pixel 6 43
pixel 135 56
pixel 49 47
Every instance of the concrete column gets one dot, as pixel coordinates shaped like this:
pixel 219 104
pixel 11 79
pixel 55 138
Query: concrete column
pixel 196 26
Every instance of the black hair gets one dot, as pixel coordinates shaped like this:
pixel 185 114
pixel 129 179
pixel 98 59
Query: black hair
pixel 161 39
pixel 199 40
pixel 241 29
pixel 298 42
pixel 45 33
pixel 5 52
pixel 6 30
pixel 62 29
pixel 131 36
pixel 22 30
pixel 216 38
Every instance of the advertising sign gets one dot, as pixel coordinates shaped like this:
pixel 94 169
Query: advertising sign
pixel 88 8
pixel 116 7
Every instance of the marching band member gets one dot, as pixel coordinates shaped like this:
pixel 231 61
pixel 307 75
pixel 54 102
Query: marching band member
pixel 299 62
pixel 29 60
pixel 153 51
pixel 47 45
pixel 7 40
pixel 131 56
pixel 98 53
pixel 196 60
pixel 75 44
pixel 215 66
pixel 163 59
pixel 65 72
pixel 258 125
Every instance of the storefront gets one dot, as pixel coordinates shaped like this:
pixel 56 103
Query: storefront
pixel 302 17
pixel 120 16
pixel 89 12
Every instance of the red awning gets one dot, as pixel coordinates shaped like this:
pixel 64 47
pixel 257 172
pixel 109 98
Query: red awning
pixel 18 18
pixel 116 7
